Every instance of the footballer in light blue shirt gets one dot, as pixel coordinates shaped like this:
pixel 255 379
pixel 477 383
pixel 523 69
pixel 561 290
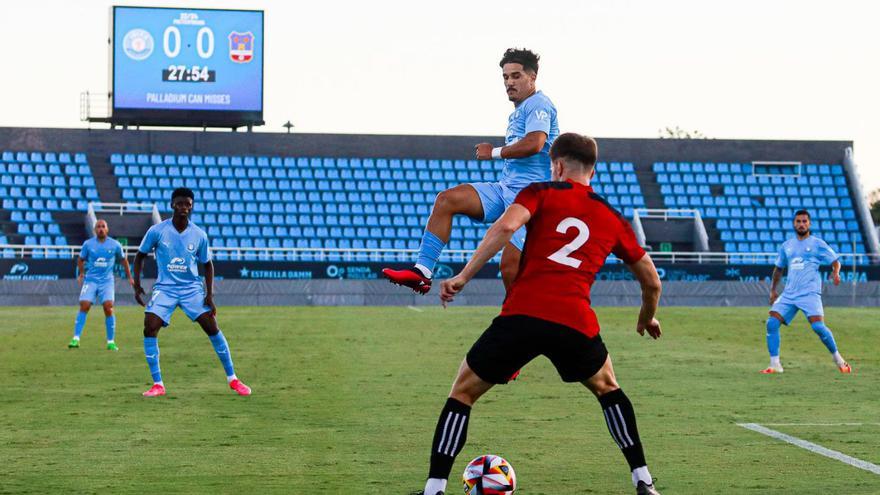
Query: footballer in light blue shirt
pixel 531 130
pixel 180 247
pixel 802 256
pixel 96 262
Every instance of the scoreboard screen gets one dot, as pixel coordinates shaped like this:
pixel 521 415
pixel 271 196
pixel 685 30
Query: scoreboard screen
pixel 187 66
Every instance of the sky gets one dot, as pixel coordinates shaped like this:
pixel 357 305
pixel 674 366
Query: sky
pixel 747 69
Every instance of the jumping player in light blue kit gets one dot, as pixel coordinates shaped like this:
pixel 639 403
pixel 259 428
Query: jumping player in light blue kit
pixel 803 256
pixel 531 130
pixel 96 260
pixel 179 246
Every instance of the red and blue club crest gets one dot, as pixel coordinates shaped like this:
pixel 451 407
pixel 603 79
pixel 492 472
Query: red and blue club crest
pixel 241 47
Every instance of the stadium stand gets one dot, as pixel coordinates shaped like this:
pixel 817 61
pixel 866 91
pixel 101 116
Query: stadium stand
pixel 33 186
pixel 301 202
pixel 279 195
pixel 752 211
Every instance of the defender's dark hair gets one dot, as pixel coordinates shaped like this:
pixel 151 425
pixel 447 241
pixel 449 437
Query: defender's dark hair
pixel 527 58
pixel 183 192
pixel 576 147
pixel 802 212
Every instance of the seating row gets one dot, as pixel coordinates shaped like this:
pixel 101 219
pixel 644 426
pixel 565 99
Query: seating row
pixel 742 168
pixel 40 157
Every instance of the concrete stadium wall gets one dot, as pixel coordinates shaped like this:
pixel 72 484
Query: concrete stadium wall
pixel 640 151
pixel 478 293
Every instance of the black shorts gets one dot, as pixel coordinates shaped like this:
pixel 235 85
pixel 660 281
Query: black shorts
pixel 512 341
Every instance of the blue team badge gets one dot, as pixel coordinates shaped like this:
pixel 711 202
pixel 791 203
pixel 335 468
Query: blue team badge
pixel 137 44
pixel 190 247
pixel 241 47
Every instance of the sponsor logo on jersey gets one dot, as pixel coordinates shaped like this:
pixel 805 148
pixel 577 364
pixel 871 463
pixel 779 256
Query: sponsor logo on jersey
pixel 137 44
pixel 177 265
pixel 796 264
pixel 542 115
pixel 101 262
pixel 241 47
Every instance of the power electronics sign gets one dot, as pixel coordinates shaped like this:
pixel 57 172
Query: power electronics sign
pixel 187 59
pixel 18 270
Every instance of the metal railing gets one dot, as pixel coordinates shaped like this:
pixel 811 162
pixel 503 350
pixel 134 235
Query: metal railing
pixel 667 213
pixel 764 163
pixel 407 255
pixel 93 106
pixel 123 208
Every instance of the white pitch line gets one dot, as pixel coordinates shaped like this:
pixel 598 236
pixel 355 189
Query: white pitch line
pixel 417 310
pixel 812 447
pixel 820 424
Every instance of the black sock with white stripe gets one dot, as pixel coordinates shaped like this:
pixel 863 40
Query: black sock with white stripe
pixel 621 421
pixel 449 437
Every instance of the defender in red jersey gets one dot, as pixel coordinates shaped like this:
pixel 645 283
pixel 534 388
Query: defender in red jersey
pixel 571 231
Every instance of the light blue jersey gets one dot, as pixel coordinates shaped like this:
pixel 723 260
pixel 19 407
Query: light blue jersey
pixel 803 259
pixel 177 255
pixel 100 258
pixel 803 287
pixel 535 113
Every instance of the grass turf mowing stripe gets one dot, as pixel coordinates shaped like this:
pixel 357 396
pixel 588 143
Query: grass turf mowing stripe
pixel 812 447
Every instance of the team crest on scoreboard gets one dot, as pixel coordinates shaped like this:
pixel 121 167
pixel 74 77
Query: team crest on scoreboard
pixel 241 47
pixel 137 44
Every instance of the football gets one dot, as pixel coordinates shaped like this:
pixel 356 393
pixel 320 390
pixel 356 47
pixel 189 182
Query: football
pixel 489 475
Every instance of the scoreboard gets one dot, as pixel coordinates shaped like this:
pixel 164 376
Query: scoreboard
pixel 187 66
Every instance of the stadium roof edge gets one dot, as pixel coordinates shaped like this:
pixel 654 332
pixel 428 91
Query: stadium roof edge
pixel 639 150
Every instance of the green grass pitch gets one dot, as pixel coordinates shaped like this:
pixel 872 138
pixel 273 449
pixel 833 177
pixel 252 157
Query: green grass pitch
pixel 345 401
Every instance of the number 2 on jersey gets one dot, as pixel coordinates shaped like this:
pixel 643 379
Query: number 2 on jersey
pixel 562 256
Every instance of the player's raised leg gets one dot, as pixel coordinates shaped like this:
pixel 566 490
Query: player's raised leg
pixel 79 322
pixel 152 324
pixel 620 418
pixel 459 200
pixel 824 333
pixel 774 323
pixel 221 348
pixel 450 433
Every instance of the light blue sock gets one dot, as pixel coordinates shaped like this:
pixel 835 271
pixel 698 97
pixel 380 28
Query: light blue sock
pixel 222 350
pixel 429 250
pixel 80 323
pixel 825 335
pixel 110 326
pixel 773 336
pixel 151 351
